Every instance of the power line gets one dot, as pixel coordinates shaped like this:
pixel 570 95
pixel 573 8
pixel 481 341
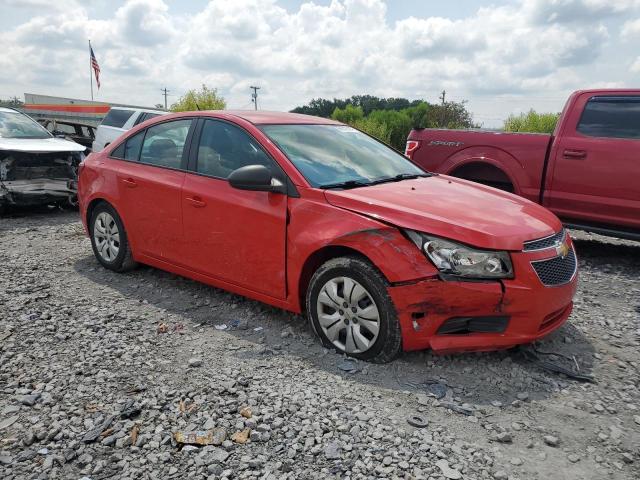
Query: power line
pixel 254 96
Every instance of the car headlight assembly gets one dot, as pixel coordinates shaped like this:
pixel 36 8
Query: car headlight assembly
pixel 461 260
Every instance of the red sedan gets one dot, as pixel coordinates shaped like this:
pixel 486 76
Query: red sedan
pixel 313 216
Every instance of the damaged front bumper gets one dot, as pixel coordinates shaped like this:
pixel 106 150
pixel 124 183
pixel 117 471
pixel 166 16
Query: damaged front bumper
pixel 37 178
pixel 454 316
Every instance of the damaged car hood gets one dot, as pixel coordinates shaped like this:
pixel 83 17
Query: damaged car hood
pixel 36 145
pixel 452 208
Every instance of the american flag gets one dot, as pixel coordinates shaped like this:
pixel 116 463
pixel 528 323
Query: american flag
pixel 95 66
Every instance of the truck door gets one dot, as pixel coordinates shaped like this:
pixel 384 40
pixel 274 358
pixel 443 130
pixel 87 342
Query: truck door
pixel 595 174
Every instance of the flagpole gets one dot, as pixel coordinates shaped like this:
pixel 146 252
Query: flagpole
pixel 90 73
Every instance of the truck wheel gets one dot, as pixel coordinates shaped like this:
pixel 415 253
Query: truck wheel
pixel 109 239
pixel 351 311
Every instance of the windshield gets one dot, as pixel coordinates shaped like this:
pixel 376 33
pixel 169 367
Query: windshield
pixel 17 125
pixel 340 156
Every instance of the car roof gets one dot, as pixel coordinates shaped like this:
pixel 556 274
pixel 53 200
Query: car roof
pixel 263 117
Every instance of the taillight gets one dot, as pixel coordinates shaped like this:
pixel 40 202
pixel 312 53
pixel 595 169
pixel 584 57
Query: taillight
pixel 412 146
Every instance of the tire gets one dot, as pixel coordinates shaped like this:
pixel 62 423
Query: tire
pixel 109 239
pixel 378 341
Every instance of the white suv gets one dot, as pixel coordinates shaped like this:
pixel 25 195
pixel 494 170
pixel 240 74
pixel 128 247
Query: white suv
pixel 118 121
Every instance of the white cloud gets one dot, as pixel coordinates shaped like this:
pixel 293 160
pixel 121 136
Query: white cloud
pixel 631 30
pixel 534 48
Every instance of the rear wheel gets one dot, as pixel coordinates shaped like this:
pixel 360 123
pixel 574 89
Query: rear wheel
pixel 109 239
pixel 351 311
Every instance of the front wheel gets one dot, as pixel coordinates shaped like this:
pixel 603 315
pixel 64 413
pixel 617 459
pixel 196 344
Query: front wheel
pixel 350 310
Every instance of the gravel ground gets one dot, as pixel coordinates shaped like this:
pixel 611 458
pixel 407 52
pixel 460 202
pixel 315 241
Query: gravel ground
pixel 100 370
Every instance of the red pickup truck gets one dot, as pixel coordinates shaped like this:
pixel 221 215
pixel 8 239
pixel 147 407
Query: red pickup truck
pixel 587 172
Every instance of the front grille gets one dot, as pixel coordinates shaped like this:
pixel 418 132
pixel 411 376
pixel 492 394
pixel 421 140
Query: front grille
pixel 556 271
pixel 546 242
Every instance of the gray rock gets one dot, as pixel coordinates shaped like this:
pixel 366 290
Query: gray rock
pixel 195 362
pixel 448 472
pixel 332 451
pixel 214 454
pixel 503 437
pixel 551 440
pixel 29 400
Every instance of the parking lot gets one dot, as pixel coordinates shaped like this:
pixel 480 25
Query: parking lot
pixel 148 354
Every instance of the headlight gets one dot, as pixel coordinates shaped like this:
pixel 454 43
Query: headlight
pixel 457 259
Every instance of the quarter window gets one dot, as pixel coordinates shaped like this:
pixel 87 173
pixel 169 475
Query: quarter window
pixel 132 147
pixel 613 117
pixel 164 144
pixel 224 148
pixel 129 150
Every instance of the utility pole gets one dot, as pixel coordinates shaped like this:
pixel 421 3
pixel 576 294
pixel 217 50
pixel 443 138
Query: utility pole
pixel 442 96
pixel 254 96
pixel 165 92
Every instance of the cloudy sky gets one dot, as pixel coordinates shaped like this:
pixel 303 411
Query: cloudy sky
pixel 501 56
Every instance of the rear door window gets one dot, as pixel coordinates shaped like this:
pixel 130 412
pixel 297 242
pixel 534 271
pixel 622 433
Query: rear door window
pixel 164 144
pixel 612 117
pixel 117 118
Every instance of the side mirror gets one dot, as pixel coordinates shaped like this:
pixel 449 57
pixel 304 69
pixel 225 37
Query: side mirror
pixel 257 178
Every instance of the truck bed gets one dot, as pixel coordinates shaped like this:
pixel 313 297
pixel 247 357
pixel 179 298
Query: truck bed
pixel 470 154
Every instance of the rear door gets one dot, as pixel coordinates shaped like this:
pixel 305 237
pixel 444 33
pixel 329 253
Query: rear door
pixel 596 170
pixel 237 236
pixel 150 178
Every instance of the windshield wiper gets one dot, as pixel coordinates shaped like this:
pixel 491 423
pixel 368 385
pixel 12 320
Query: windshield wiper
pixel 347 184
pixel 399 178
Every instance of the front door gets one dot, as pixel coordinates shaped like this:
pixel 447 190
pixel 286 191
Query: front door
pixel 237 236
pixel 597 163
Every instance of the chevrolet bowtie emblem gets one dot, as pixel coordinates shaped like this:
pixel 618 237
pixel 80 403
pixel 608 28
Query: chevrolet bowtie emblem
pixel 562 250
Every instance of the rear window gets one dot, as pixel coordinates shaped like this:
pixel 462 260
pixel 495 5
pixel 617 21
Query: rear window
pixel 117 118
pixel 612 117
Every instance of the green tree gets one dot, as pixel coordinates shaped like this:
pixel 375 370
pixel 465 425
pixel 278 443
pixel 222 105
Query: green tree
pixel 14 102
pixel 349 114
pixel 374 128
pixel 204 99
pixel 398 125
pixel 532 122
pixel 354 116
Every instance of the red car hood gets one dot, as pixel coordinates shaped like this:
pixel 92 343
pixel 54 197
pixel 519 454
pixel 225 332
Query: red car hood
pixel 452 208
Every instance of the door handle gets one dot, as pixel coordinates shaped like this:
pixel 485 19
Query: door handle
pixel 196 202
pixel 575 154
pixel 129 182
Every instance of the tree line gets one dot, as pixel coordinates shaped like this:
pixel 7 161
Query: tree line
pixel 390 119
